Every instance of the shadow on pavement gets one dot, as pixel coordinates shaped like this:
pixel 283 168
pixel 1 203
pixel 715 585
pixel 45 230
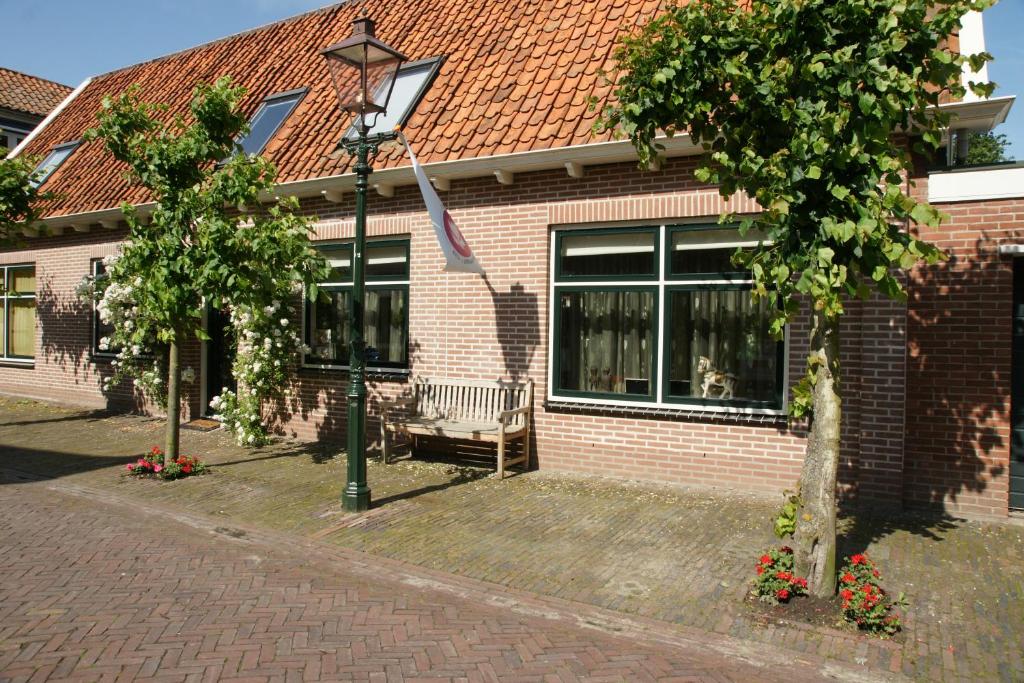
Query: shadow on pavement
pixel 18 464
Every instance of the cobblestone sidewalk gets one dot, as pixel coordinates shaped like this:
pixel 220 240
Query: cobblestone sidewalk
pixel 678 556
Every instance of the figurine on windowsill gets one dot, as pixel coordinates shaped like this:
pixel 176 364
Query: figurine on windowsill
pixel 715 379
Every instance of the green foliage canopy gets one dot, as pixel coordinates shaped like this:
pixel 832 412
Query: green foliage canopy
pixel 196 248
pixel 803 105
pixel 20 198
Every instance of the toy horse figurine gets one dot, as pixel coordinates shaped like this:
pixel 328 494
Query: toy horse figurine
pixel 714 378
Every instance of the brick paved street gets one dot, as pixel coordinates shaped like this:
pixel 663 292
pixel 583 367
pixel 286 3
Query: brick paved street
pixel 99 592
pixel 681 559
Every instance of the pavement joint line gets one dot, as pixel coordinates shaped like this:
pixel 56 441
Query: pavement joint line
pixel 383 569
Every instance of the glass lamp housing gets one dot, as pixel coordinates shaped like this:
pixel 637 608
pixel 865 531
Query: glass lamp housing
pixel 364 70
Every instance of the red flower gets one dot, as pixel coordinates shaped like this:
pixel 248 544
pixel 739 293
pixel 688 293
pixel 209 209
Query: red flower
pixel 875 572
pixel 187 469
pixel 766 560
pixel 859 559
pixel 848 578
pixel 783 594
pixel 800 582
pixel 846 594
pixel 785 576
pixel 760 569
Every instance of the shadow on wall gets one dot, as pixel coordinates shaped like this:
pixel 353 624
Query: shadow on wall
pixel 66 333
pixel 959 358
pixel 321 394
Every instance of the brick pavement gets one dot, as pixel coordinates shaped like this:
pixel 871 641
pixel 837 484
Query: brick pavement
pixel 658 553
pixel 93 591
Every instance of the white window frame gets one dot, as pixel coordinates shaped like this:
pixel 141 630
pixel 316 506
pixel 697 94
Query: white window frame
pixel 663 282
pixel 7 297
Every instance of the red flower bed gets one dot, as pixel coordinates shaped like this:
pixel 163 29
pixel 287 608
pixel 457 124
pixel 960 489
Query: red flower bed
pixel 775 581
pixel 153 464
pixel 864 602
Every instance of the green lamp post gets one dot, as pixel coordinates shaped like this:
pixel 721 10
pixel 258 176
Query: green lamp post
pixel 364 71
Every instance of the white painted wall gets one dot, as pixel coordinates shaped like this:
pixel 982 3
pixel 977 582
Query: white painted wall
pixel 965 186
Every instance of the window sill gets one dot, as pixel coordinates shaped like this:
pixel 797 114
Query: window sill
pixel 376 373
pixel 18 363
pixel 662 412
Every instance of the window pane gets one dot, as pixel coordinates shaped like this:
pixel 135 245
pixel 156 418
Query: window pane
pixel 265 123
pixel 708 251
pixel 605 342
pixel 21 323
pixel 387 262
pixel 385 326
pixel 52 161
pixel 102 329
pixel 730 331
pixel 407 86
pixel 327 328
pixel 340 259
pixel 22 280
pixel 623 253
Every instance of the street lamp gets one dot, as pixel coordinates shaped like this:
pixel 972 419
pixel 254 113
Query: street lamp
pixel 364 71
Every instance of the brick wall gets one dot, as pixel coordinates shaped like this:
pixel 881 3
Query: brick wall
pixel 959 356
pixel 462 326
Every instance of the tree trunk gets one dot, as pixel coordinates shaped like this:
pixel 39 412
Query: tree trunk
pixel 173 401
pixel 815 537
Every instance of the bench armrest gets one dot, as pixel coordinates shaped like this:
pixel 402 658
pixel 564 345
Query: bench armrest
pixel 506 415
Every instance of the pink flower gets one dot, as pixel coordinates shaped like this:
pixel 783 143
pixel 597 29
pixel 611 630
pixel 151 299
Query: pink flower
pixel 129 467
pixel 158 468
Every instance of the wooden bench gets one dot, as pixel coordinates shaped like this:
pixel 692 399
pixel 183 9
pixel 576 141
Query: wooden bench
pixel 491 411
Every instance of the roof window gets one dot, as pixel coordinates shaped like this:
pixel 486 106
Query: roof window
pixel 268 119
pixel 53 161
pixel 411 84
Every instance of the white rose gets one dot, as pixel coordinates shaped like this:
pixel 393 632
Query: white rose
pixel 284 322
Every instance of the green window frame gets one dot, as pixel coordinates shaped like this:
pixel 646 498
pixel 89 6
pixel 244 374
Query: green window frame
pixel 387 271
pixel 15 300
pixel 709 271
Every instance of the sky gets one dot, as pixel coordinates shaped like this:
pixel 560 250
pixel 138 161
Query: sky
pixel 69 40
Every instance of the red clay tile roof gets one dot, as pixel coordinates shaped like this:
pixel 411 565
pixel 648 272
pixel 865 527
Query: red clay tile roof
pixel 28 94
pixel 517 77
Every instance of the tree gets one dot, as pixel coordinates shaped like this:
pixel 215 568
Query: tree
pixel 20 197
pixel 986 148
pixel 199 248
pixel 804 105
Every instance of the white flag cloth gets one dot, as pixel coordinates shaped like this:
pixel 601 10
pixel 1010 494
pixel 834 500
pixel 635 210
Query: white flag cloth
pixel 458 256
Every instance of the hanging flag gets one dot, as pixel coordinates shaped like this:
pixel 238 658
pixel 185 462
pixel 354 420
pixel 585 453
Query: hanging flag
pixel 458 256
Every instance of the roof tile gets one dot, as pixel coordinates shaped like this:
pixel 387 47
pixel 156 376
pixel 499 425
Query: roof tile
pixel 30 94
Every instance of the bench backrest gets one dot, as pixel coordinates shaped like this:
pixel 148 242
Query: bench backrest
pixel 471 400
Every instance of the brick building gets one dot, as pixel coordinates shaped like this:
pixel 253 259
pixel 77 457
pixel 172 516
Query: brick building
pixel 24 102
pixel 605 284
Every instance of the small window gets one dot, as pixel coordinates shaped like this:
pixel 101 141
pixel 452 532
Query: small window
pixel 268 119
pixel 386 318
pixel 410 86
pixel 52 162
pixel 101 331
pixel 18 325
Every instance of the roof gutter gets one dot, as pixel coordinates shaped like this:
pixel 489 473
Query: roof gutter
pixel 978 115
pixel 49 118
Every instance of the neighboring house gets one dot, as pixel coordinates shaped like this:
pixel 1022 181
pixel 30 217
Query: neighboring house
pixel 24 102
pixel 605 284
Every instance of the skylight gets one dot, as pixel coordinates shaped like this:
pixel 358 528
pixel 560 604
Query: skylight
pixel 268 118
pixel 52 162
pixel 410 86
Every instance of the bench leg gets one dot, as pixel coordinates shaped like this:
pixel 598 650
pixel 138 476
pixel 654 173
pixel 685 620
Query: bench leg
pixel 526 450
pixel 501 457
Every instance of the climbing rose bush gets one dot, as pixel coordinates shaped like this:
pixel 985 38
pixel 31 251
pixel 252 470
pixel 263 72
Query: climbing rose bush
pixel 268 345
pixel 775 581
pixel 864 602
pixel 153 464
